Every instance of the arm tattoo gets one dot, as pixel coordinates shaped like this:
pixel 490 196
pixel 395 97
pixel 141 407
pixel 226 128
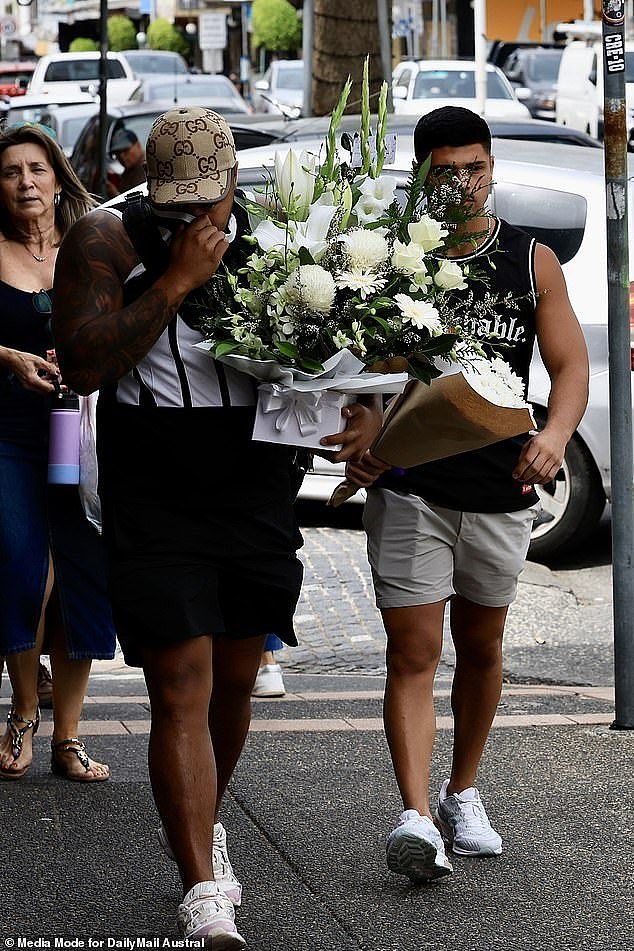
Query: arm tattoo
pixel 98 339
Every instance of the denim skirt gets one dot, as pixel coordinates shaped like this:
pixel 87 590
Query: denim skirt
pixel 34 519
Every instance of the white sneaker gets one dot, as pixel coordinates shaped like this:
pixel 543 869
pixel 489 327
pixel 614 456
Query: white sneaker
pixel 268 682
pixel 206 913
pixel 415 848
pixel 224 875
pixel 463 820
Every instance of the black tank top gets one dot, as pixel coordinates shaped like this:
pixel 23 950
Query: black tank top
pixel 481 480
pixel 23 413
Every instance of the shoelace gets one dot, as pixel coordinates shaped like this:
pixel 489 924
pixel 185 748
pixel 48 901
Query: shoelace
pixel 473 815
pixel 190 915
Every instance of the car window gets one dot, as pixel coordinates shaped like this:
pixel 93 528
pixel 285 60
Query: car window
pixel 81 70
pixel 146 63
pixel 212 88
pixel 140 124
pixel 556 219
pixel 404 78
pixel 544 66
pixel 291 78
pixel 456 84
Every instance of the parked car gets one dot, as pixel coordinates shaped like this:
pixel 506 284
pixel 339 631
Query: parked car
pixel 139 116
pixel 147 63
pixel 294 130
pixel 533 74
pixel 580 88
pixel 428 84
pixel 79 73
pixel 14 77
pixel 66 115
pixel 281 88
pixel 556 193
pixel 194 89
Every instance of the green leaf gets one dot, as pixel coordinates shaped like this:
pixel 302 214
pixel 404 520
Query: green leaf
pixel 288 349
pixel 305 257
pixel 226 346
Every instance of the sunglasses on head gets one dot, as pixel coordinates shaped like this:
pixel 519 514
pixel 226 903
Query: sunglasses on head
pixel 42 302
pixel 33 125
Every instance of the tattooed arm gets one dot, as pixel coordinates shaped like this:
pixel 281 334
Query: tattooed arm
pixel 97 338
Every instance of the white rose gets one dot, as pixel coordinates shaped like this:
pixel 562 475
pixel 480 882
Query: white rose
pixel 427 232
pixel 420 313
pixel 450 277
pixel 312 286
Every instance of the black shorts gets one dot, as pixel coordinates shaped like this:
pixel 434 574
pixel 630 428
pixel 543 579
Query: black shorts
pixel 195 548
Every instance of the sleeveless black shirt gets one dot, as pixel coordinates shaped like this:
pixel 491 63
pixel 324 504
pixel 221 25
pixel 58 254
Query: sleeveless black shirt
pixel 481 480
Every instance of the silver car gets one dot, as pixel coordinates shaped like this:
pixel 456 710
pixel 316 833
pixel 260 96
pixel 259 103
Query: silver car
pixel 555 192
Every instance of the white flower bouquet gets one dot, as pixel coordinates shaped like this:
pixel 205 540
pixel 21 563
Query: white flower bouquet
pixel 337 264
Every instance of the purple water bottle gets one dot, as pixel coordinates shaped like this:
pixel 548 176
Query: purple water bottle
pixel 63 445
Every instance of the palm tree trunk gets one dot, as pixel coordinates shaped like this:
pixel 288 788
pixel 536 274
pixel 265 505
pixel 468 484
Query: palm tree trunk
pixel 344 35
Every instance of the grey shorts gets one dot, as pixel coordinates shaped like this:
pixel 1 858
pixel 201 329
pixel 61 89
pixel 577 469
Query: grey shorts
pixel 421 553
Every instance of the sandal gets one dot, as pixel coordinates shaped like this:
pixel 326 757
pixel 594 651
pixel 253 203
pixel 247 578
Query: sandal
pixel 17 739
pixel 74 745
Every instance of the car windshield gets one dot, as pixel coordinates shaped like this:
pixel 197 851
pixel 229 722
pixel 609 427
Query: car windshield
pixel 147 63
pixel 290 78
pixel 212 89
pixel 456 84
pixel 544 66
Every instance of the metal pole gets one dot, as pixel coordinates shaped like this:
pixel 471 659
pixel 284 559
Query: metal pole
pixel 434 29
pixel 308 27
pixel 103 105
pixel 385 39
pixel 480 44
pixel 615 144
pixel 444 51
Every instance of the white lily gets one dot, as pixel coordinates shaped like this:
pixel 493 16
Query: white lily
pixel 311 234
pixel 295 181
pixel 377 194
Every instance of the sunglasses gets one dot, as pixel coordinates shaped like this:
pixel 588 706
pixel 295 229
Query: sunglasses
pixel 42 302
pixel 34 125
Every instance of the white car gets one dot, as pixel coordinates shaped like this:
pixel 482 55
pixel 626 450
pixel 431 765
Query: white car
pixel 419 87
pixel 555 192
pixel 281 88
pixel 194 89
pixel 71 73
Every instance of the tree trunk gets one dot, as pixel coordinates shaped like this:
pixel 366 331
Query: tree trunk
pixel 344 35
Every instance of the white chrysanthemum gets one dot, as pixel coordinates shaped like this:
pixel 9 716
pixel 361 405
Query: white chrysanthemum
pixel 420 313
pixel 311 286
pixel 365 249
pixel 363 282
pixel 496 382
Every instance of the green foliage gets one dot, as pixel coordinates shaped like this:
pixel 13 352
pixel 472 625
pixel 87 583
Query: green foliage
pixel 276 25
pixel 163 35
pixel 82 44
pixel 121 33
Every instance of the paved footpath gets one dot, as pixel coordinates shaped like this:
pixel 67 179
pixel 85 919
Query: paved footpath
pixel 313 799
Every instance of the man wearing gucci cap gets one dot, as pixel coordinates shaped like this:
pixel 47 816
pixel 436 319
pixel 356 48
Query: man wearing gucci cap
pixel 197 518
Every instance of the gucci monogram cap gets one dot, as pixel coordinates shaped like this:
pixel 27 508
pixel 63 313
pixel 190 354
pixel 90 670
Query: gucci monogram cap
pixel 190 155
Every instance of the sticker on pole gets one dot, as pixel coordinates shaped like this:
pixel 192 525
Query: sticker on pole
pixel 614 11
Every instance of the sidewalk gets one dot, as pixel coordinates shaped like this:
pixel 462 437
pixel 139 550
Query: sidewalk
pixel 314 798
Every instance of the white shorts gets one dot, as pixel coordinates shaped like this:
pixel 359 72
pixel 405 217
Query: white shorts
pixel 421 553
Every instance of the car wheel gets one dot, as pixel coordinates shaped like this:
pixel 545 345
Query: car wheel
pixel 572 505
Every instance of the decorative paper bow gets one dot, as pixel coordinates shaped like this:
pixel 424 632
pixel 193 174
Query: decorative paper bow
pixel 305 406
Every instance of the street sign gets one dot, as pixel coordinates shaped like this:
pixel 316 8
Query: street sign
pixel 8 26
pixel 212 31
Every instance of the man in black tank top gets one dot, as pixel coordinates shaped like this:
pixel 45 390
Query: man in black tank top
pixel 198 518
pixel 458 530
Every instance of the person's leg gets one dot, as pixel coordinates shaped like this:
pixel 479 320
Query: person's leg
pixel 414 642
pixel 22 669
pixel 267 657
pixel 180 755
pixel 70 679
pixel 477 635
pixel 235 667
